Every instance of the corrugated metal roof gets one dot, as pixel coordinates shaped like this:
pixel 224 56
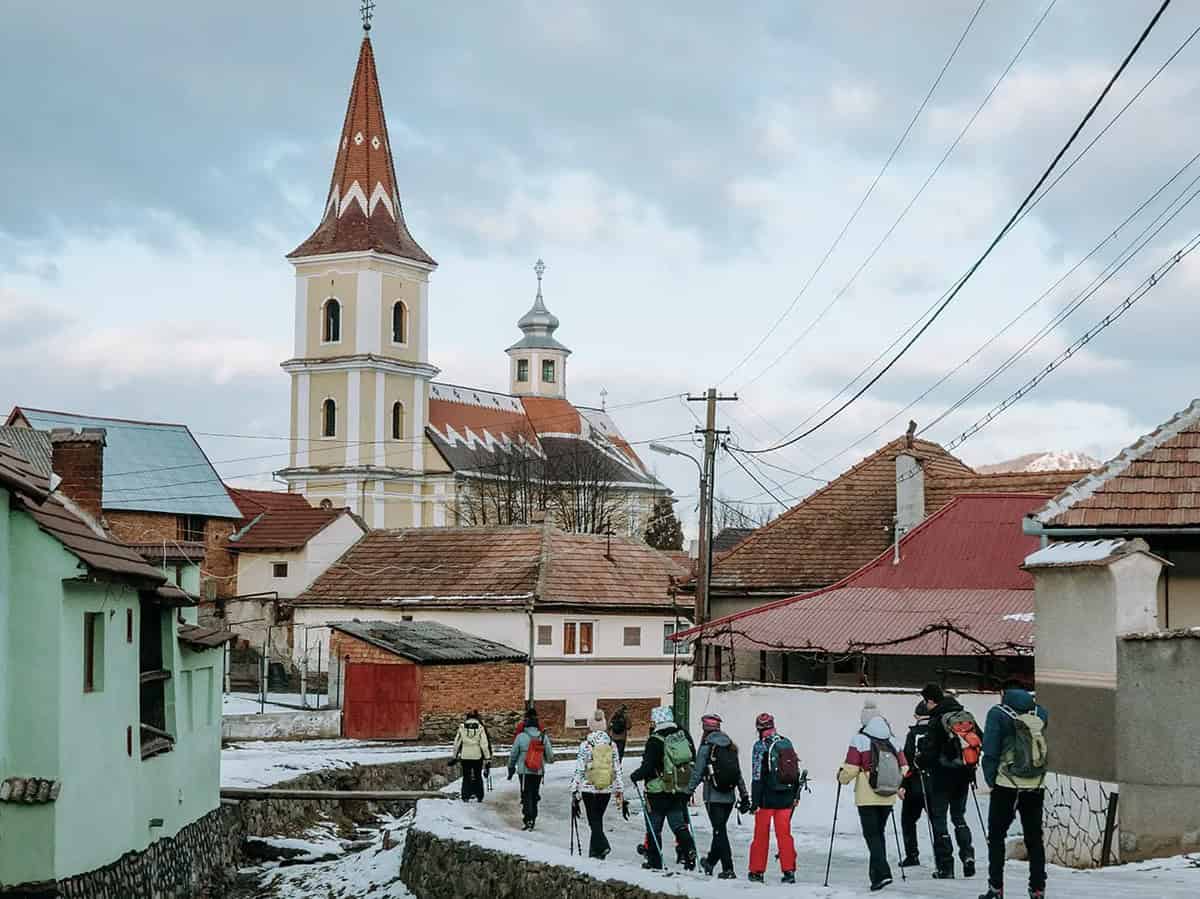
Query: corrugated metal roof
pixel 201 638
pixel 429 642
pixel 1070 553
pixel 31 443
pixel 149 466
pixel 958 578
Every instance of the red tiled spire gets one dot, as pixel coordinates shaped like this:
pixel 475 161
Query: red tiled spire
pixel 362 210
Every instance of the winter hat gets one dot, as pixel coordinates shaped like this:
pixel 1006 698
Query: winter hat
pixel 869 711
pixel 598 722
pixel 709 723
pixel 933 693
pixel 662 716
pixel 921 711
pixel 531 717
pixel 765 721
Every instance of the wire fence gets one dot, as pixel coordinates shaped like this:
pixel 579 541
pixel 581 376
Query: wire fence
pixel 277 667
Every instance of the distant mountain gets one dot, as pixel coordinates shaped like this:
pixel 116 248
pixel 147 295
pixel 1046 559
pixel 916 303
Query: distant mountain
pixel 1063 460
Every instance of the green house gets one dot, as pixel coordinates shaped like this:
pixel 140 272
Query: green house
pixel 110 695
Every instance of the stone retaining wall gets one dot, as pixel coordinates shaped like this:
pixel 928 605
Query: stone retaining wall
pixel 436 867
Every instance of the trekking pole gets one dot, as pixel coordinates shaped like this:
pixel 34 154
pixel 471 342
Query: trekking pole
pixel 899 851
pixel 649 827
pixel 979 810
pixel 836 803
pixel 928 814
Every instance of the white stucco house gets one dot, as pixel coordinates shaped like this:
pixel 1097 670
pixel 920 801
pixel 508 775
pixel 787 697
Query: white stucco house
pixel 593 613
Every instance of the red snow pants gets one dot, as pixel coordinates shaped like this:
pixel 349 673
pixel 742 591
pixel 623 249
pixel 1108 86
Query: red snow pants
pixel 761 845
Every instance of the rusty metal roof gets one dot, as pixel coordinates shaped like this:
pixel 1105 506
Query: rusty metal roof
pixel 201 638
pixel 957 589
pixel 429 642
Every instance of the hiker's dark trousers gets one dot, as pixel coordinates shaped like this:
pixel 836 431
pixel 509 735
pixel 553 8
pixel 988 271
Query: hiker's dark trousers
pixel 949 795
pixel 874 820
pixel 671 808
pixel 720 851
pixel 1006 804
pixel 595 804
pixel 472 779
pixel 910 815
pixel 531 794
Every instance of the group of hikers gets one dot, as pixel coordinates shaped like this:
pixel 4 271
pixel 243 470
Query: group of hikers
pixel 933 773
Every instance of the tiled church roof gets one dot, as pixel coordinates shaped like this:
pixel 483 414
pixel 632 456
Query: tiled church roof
pixel 362 210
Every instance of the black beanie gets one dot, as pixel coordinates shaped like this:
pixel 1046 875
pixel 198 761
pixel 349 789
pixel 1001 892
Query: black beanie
pixel 933 692
pixel 922 711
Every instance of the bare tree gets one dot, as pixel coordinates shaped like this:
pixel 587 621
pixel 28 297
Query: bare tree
pixel 581 491
pixel 728 514
pixel 504 487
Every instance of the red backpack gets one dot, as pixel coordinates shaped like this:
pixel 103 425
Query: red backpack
pixel 965 742
pixel 534 755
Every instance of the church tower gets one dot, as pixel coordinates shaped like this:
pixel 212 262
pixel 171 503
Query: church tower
pixel 360 369
pixel 538 361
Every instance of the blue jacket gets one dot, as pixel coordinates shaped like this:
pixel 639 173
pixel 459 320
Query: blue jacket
pixel 516 755
pixel 999 729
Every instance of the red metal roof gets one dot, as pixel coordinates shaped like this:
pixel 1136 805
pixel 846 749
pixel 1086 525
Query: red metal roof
pixel 958 579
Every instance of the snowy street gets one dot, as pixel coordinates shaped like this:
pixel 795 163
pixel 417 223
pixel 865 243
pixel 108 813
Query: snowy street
pixel 496 824
pixel 264 763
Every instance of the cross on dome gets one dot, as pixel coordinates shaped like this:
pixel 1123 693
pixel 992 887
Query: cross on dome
pixel 367 9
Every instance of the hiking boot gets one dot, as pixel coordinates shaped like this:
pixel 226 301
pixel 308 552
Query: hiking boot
pixel 754 877
pixel 1036 894
pixel 910 861
pixel 727 875
pixel 968 867
pixel 641 849
pixel 943 874
pixel 650 866
pixel 789 876
pixel 689 862
pixel 706 866
pixel 880 884
pixel 993 893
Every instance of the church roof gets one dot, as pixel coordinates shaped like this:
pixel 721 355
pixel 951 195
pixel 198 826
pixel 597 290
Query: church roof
pixel 362 210
pixel 539 323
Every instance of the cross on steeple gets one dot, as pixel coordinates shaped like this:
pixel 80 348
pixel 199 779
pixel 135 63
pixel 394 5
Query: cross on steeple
pixel 539 268
pixel 367 10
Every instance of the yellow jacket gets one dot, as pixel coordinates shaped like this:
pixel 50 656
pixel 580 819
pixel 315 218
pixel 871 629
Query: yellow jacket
pixel 857 766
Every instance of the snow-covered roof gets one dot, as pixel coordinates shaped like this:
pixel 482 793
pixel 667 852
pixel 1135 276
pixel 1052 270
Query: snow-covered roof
pixel 1071 553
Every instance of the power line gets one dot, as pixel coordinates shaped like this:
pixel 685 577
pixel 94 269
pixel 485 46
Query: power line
pixel 962 282
pixel 861 203
pixel 733 455
pixel 912 202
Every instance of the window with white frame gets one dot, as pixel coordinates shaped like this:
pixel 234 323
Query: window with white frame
pixel 279 569
pixel 331 321
pixel 632 636
pixel 522 370
pixel 545 634
pixel 670 647
pixel 578 638
pixel 548 371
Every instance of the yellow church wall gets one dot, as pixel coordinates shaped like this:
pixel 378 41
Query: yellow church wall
pixel 434 463
pixel 366 418
pixel 343 286
pixel 399 453
pixel 292 445
pixel 324 451
pixel 397 289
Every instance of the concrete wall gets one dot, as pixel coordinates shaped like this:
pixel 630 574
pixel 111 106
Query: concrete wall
pixel 1158 735
pixel 819 720
pixel 312 725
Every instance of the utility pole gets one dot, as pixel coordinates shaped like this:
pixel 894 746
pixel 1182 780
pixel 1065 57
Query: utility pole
pixel 708 474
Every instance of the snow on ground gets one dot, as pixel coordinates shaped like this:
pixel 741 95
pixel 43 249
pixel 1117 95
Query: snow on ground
pixel 496 824
pixel 263 763
pixel 249 704
pixel 356 873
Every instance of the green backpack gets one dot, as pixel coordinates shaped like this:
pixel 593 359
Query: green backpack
pixel 676 766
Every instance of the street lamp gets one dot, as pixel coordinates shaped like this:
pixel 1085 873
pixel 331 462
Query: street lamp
pixel 704 574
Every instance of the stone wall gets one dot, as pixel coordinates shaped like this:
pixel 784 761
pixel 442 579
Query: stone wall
pixel 501 727
pixel 439 868
pixel 196 863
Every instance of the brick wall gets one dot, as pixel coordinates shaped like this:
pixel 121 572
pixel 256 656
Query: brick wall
pixel 345 647
pixel 637 713
pixel 78 459
pixel 552 715
pixel 218 565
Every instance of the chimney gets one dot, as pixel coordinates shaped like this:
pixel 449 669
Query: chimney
pixel 77 457
pixel 910 493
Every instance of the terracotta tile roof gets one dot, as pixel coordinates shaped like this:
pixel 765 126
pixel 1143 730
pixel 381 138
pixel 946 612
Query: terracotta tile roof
pixel 362 210
pixel 498 566
pixel 728 538
pixel 959 578
pixel 549 415
pixel 275 520
pixel 429 642
pixel 1155 483
pixel 942 490
pixel 840 527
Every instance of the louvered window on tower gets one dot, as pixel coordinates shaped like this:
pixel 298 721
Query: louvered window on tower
pixel 331 322
pixel 329 419
pixel 399 323
pixel 397 421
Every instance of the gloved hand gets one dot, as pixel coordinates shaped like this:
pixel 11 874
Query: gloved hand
pixel 575 806
pixel 511 773
pixel 744 805
pixel 625 810
pixel 454 760
pixel 753 809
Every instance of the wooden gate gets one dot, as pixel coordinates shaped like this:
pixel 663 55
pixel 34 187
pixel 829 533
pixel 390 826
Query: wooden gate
pixel 382 701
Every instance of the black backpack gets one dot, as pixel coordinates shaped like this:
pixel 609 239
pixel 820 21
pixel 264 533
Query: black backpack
pixel 725 773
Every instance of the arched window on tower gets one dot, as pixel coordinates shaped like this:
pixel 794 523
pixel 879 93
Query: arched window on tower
pixel 399 322
pixel 331 321
pixel 397 421
pixel 329 418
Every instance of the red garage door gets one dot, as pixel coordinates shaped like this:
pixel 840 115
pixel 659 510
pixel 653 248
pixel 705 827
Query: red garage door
pixel 382 701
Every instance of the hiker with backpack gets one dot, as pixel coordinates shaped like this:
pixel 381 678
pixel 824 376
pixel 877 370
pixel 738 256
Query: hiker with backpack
pixel 876 766
pixel 717 765
pixel 473 750
pixel 667 764
pixel 618 729
pixel 596 780
pixel 530 754
pixel 1014 766
pixel 774 787
pixel 948 760
pixel 912 793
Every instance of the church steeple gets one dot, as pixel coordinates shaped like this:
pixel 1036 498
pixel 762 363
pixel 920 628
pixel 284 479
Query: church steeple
pixel 362 209
pixel 539 361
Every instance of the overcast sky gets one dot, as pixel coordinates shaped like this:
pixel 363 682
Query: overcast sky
pixel 682 169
